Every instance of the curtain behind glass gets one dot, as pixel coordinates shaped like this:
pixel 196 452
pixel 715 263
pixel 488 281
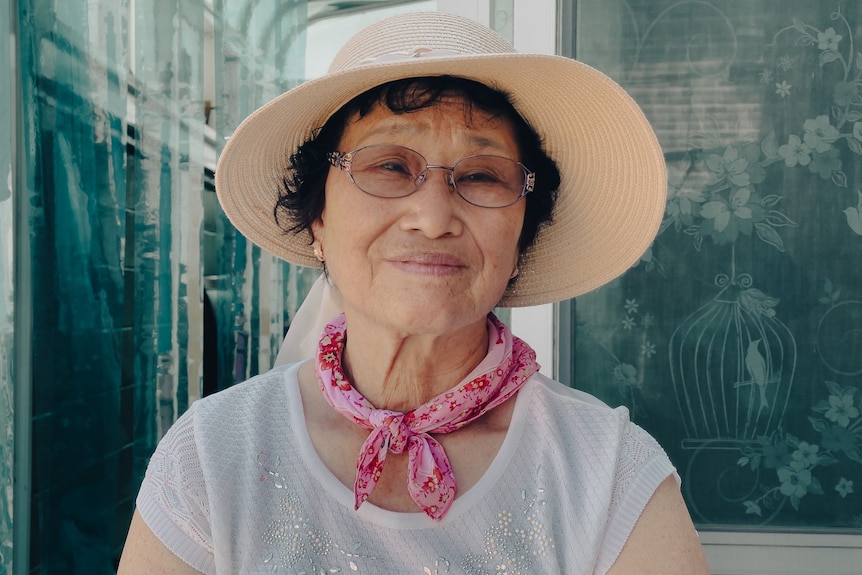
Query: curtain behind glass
pixel 736 339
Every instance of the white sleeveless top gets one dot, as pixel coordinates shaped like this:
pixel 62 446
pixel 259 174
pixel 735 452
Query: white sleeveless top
pixel 236 487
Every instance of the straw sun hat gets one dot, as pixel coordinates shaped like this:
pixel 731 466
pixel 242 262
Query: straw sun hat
pixel 613 188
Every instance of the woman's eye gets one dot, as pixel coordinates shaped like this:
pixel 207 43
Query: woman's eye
pixel 478 178
pixel 394 166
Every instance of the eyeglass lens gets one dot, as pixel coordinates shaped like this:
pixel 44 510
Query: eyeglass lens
pixel 396 171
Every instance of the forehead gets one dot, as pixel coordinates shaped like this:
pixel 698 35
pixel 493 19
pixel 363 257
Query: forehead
pixel 451 116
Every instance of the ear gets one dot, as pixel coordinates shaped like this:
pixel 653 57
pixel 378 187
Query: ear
pixel 318 230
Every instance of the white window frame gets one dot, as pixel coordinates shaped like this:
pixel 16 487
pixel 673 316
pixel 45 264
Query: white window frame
pixel 728 552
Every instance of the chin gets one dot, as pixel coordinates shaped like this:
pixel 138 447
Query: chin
pixel 429 317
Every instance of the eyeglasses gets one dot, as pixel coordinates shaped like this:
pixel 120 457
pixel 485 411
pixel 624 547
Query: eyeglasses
pixel 387 171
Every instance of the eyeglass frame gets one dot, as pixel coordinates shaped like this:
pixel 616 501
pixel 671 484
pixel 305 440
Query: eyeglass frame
pixel 344 160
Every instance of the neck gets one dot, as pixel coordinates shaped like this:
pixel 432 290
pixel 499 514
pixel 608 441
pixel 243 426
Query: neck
pixel 401 372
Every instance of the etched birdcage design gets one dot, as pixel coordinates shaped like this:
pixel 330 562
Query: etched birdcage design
pixel 732 366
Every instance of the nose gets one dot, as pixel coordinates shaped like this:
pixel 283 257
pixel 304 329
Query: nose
pixel 432 208
pixel 450 175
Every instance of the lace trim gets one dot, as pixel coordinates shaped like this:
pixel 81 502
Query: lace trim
pixel 637 447
pixel 176 481
pixel 642 466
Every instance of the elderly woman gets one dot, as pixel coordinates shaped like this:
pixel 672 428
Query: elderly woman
pixel 433 174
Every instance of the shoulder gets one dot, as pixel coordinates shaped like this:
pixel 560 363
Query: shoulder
pixel 196 462
pixel 569 395
pixel 260 388
pixel 610 466
pixel 221 428
pixel 615 461
pixel 581 422
pixel 572 411
pixel 211 419
pixel 253 402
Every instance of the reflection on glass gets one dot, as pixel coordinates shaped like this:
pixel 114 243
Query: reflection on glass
pixel 7 294
pixel 737 338
pixel 331 24
pixel 260 53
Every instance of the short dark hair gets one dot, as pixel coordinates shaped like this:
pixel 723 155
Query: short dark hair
pixel 302 196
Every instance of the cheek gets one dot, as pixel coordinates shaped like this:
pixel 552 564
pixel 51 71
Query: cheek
pixel 345 238
pixel 500 238
pixel 514 227
pixel 327 226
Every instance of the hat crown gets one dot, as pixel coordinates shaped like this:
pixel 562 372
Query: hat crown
pixel 418 35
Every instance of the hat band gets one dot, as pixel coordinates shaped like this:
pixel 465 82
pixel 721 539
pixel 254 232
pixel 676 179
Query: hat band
pixel 417 52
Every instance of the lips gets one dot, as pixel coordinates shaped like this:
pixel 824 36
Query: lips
pixel 429 263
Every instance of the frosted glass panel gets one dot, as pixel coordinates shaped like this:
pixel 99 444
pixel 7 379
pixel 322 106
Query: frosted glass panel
pixel 737 339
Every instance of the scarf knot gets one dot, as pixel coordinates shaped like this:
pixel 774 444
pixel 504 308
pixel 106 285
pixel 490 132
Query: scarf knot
pixel 395 431
pixel 430 481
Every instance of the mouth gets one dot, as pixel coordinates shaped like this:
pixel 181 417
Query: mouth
pixel 429 263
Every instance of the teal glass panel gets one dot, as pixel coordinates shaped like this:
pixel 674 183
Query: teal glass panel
pixel 114 132
pixel 737 339
pixel 126 239
pixel 74 98
pixel 7 294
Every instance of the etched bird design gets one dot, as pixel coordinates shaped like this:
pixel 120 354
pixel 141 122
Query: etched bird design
pixel 756 365
pixel 854 216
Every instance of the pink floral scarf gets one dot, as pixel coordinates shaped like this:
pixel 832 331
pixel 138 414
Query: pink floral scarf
pixel 431 483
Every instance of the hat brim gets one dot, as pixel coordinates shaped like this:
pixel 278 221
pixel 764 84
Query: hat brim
pixel 613 188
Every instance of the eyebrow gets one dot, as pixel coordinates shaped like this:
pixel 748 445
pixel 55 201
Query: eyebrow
pixel 401 128
pixel 393 129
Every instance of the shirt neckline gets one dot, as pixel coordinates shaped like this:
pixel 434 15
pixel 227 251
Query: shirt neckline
pixel 396 519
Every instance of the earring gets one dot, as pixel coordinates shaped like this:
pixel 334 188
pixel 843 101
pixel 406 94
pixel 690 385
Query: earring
pixel 318 253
